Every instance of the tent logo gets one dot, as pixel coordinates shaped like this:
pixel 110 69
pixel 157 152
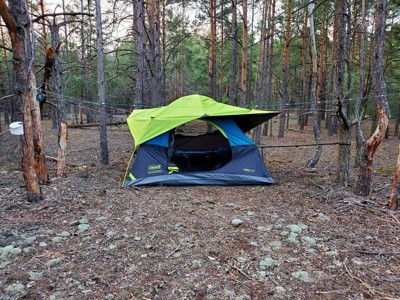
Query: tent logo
pixel 249 170
pixel 152 169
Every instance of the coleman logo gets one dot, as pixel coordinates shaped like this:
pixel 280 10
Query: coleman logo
pixel 154 167
pixel 249 170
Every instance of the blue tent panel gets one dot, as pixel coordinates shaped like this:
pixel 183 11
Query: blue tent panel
pixel 202 178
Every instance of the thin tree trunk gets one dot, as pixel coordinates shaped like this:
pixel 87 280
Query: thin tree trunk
pixel 285 70
pixel 343 176
pixel 61 108
pixel 304 106
pixel 140 54
pixel 100 85
pixel 212 51
pixel 372 144
pixel 394 197
pixel 234 64
pixel 243 80
pixel 313 93
pixel 331 122
pixel 361 98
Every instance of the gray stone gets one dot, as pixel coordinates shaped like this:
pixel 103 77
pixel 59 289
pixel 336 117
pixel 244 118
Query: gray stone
pixel 83 227
pixel 53 262
pixel 280 289
pixel 112 247
pixel 197 263
pixel 65 234
pixel 237 222
pixel 57 239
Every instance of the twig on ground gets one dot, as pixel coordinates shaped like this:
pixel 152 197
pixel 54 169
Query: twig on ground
pixel 176 249
pixel 240 271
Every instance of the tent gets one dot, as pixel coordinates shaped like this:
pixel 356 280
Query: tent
pixel 225 156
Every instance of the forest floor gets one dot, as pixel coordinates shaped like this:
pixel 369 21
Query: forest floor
pixel 303 238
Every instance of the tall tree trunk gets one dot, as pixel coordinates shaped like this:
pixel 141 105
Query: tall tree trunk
pixel 140 54
pixel 313 93
pixel 330 122
pixel 33 156
pixel 153 13
pixel 361 97
pixel 234 64
pixel 343 176
pixel 212 58
pixel 372 144
pixel 271 30
pixel 304 94
pixel 221 57
pixel 61 108
pixel 163 56
pixel 285 70
pixel 100 85
pixel 243 80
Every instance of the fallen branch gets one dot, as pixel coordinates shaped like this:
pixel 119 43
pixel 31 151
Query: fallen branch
pixel 95 125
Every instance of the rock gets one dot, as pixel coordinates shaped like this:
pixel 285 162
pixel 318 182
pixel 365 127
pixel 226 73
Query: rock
pixel 323 217
pixel 57 239
pixel 280 289
pixel 302 275
pixel 43 244
pixel 332 253
pixel 128 220
pixel 84 220
pixel 53 262
pixel 251 213
pixel 65 234
pixel 83 227
pixel 144 256
pixel 237 222
pixel 197 263
pixel 112 247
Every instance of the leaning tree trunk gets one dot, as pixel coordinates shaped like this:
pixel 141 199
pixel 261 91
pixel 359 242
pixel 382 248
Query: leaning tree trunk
pixel 100 83
pixel 316 125
pixel 19 27
pixel 372 144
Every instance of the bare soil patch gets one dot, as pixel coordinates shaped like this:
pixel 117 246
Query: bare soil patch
pixel 303 238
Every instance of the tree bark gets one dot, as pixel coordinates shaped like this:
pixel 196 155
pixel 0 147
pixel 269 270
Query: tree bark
pixel 100 85
pixel 361 98
pixel 343 176
pixel 19 27
pixel 243 80
pixel 304 94
pixel 285 71
pixel 140 54
pixel 394 197
pixel 212 57
pixel 372 144
pixel 234 53
pixel 316 125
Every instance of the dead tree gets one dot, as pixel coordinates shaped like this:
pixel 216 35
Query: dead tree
pixel 19 26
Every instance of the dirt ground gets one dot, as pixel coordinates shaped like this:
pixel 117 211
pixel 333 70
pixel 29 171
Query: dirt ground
pixel 303 238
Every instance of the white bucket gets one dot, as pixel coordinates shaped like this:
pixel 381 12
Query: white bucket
pixel 17 128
